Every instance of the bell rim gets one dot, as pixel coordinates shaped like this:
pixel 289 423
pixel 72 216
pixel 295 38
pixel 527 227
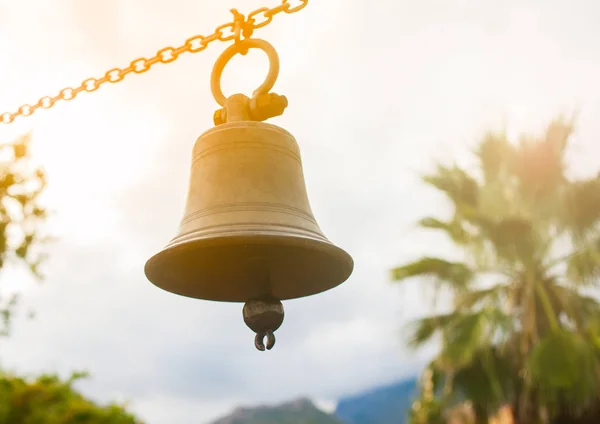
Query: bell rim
pixel 340 255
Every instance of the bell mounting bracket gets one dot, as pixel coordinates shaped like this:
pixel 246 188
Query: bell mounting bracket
pixel 238 107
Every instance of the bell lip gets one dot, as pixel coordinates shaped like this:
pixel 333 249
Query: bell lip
pixel 332 250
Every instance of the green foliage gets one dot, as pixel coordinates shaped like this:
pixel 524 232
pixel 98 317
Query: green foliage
pixel 48 400
pixel 582 205
pixel 531 338
pixel 21 216
pixel 571 359
pixel 488 380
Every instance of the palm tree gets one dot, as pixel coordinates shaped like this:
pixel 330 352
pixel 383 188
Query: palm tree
pixel 523 328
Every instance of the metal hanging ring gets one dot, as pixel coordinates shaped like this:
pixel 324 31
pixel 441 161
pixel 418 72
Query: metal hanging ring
pixel 242 47
pixel 259 340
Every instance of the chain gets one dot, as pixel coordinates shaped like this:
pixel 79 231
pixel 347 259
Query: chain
pixel 231 31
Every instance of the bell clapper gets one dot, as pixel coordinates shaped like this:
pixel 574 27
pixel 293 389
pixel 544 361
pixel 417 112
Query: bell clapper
pixel 263 316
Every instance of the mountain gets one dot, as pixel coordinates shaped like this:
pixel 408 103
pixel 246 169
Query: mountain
pixel 300 411
pixel 385 405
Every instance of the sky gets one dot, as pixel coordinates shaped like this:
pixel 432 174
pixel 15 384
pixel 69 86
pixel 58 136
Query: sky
pixel 378 92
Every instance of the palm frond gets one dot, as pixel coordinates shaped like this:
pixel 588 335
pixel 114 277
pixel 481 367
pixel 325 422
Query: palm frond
pixel 574 305
pixel 489 380
pixel 460 187
pixel 582 206
pixel 592 329
pixel 496 156
pixel 583 266
pixel 468 332
pixel 559 132
pixel 540 162
pixel 513 238
pixel 453 229
pixel 491 295
pixel 464 334
pixel 423 330
pixel 455 274
pixel 564 363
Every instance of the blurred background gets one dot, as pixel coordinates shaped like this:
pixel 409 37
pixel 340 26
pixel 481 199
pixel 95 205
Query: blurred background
pixel 380 95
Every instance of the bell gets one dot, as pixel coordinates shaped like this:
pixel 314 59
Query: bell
pixel 248 233
pixel 248 230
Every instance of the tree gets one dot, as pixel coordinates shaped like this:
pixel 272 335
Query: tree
pixel 426 409
pixel 46 399
pixel 523 329
pixel 21 216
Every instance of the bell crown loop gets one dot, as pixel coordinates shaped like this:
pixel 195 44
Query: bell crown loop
pixel 242 47
pixel 238 107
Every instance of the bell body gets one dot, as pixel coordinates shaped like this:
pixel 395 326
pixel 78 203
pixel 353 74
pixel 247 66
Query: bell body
pixel 248 231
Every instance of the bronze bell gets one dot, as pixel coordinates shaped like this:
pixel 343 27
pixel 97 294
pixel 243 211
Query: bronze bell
pixel 248 232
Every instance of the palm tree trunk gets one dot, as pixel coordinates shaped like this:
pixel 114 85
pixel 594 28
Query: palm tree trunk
pixel 528 322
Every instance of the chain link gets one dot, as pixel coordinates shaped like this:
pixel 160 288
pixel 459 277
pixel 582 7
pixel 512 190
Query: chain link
pixel 231 31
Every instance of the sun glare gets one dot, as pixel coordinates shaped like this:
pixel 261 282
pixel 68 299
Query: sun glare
pixel 87 160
